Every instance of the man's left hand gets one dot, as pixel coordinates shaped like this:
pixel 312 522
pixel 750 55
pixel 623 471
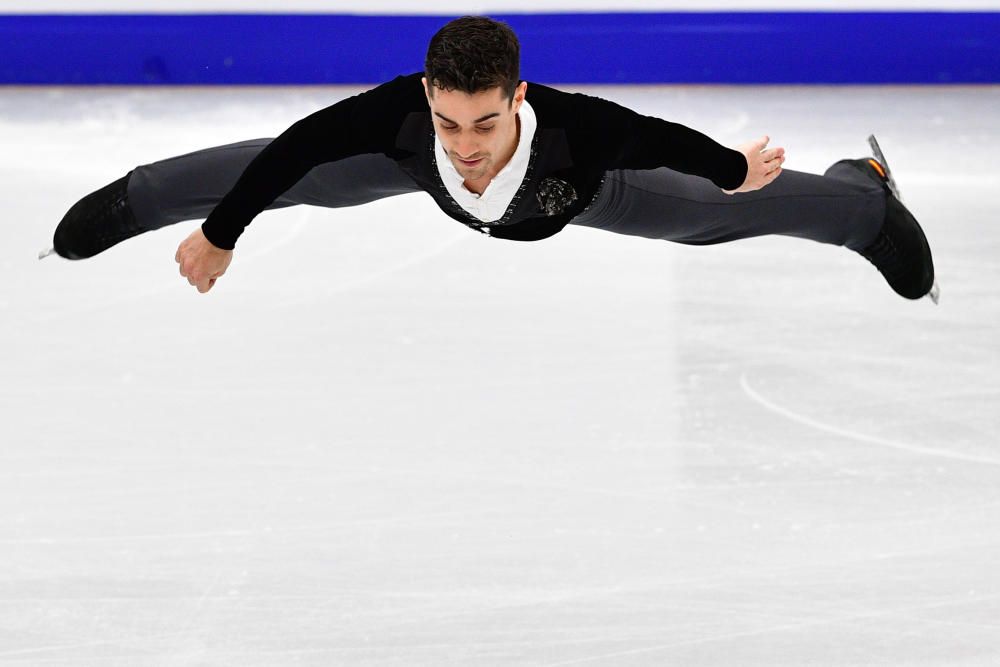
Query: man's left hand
pixel 763 164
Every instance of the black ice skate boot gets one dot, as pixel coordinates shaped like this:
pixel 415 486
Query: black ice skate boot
pixel 900 251
pixel 96 222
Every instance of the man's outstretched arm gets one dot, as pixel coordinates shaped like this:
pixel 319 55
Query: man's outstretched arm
pixel 627 139
pixel 365 123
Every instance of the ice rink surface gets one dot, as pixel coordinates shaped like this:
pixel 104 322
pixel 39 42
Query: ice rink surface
pixel 385 439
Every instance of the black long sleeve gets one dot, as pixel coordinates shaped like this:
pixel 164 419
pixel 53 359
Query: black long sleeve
pixel 364 123
pixel 625 139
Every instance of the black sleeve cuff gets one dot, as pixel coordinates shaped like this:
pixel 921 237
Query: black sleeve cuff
pixel 735 172
pixel 219 238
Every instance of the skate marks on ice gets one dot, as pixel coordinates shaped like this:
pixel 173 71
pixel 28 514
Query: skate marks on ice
pixel 365 279
pixel 148 286
pixel 786 627
pixel 591 563
pixel 787 413
pixel 301 218
pixel 241 532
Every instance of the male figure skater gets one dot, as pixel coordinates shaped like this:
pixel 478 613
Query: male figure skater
pixel 464 132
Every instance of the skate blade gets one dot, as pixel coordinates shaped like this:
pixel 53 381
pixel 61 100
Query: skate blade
pixel 45 253
pixel 935 293
pixel 877 152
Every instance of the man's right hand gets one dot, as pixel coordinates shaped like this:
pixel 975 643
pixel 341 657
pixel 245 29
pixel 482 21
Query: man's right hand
pixel 201 262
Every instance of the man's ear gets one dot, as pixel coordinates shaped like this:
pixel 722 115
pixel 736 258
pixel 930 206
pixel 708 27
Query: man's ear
pixel 427 90
pixel 519 94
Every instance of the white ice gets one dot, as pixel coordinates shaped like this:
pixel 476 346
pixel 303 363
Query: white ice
pixel 385 439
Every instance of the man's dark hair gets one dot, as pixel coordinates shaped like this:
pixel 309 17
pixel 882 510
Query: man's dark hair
pixel 472 54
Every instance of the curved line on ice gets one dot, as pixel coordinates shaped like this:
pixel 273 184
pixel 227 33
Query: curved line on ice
pixel 854 435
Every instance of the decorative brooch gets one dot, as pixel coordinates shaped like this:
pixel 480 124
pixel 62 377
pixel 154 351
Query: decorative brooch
pixel 555 195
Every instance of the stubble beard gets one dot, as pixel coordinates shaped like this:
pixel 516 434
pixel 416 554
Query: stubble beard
pixel 475 173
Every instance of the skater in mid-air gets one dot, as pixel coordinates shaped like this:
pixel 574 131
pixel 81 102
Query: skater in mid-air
pixel 511 159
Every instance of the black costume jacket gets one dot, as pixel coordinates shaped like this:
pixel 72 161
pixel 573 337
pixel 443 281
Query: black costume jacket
pixel 577 140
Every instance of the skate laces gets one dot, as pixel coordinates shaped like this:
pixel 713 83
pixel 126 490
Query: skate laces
pixel 114 206
pixel 884 254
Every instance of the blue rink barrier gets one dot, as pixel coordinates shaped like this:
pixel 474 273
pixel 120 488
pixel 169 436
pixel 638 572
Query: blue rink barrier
pixel 681 47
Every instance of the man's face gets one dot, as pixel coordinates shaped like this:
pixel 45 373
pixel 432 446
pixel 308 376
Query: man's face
pixel 479 131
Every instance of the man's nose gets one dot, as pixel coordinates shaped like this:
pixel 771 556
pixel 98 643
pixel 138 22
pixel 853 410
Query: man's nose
pixel 466 147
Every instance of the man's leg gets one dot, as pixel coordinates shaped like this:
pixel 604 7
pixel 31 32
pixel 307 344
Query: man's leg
pixel 189 186
pixel 850 205
pixel 843 207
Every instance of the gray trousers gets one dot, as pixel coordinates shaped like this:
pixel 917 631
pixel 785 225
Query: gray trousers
pixel 842 207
